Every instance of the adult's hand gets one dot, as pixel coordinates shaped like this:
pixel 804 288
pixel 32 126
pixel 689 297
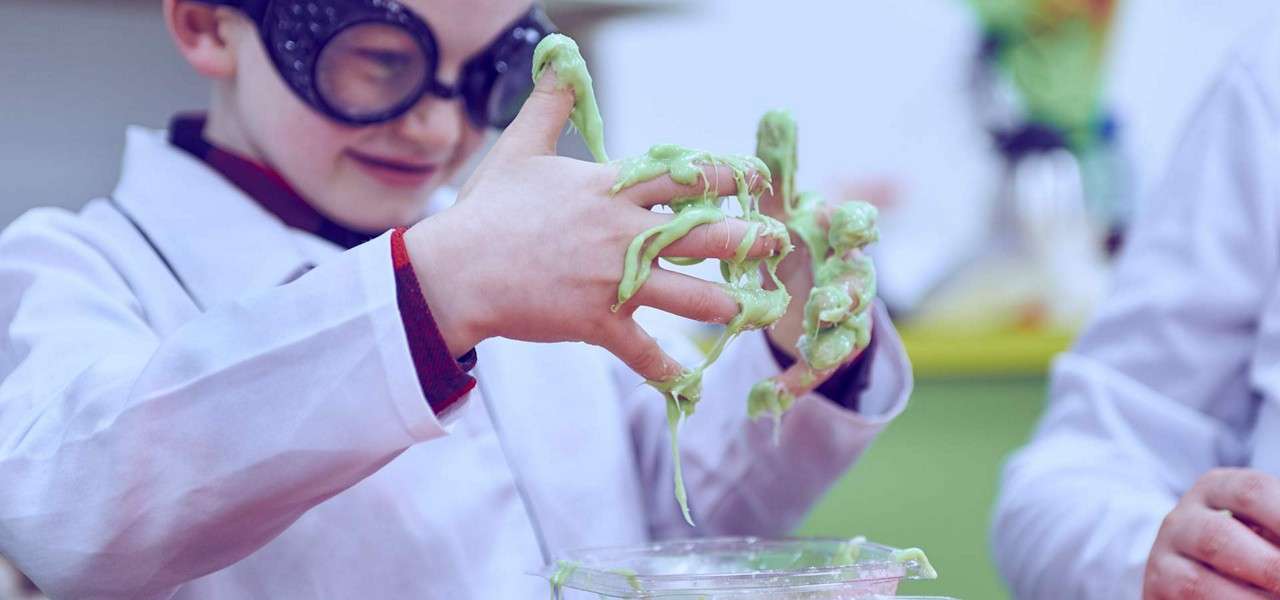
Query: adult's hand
pixel 1219 543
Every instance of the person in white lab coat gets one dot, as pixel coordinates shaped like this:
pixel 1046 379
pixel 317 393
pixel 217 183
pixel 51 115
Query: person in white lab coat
pixel 1154 471
pixel 235 377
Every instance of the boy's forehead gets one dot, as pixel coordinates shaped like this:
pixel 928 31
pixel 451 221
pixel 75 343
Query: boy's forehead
pixel 464 27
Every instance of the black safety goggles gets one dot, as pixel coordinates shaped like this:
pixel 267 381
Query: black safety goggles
pixel 362 62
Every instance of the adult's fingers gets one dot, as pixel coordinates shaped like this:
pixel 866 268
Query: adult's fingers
pixel 1174 577
pixel 1219 540
pixel 1251 494
pixel 687 296
pixel 663 189
pixel 719 240
pixel 634 346
pixel 541 120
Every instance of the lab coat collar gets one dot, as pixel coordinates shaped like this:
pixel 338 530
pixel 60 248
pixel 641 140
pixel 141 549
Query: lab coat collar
pixel 262 184
pixel 220 242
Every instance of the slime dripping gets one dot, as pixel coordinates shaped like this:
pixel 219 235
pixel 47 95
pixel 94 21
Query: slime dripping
pixel 837 314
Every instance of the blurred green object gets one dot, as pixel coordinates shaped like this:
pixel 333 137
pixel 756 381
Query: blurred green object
pixel 1054 52
pixel 930 480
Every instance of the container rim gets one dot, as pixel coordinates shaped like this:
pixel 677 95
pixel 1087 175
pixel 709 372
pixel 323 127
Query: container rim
pixel 604 570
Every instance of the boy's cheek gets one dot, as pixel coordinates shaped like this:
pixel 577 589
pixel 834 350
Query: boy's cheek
pixel 357 200
pixel 473 142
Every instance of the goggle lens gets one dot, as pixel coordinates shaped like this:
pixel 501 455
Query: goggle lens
pixel 369 69
pixel 513 62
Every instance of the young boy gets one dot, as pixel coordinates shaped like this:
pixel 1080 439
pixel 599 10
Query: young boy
pixel 240 376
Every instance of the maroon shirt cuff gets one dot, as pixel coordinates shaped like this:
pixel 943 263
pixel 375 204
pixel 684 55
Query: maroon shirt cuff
pixel 444 379
pixel 846 385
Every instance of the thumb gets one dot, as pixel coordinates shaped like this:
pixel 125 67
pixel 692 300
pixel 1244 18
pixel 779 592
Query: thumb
pixel 541 120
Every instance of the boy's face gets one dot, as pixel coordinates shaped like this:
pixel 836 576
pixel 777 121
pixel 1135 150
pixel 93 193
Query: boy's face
pixel 374 177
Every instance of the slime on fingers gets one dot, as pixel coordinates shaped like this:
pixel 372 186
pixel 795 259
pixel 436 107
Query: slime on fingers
pixel 758 307
pixel 561 53
pixel 837 314
pixel 744 280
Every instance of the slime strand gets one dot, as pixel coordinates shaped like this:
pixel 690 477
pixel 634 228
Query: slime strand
pixel 837 313
pixel 917 556
pixel 758 307
pixel 561 53
pixel 564 570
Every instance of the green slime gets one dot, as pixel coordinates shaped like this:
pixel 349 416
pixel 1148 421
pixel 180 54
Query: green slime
pixel 561 53
pixel 916 555
pixel 633 578
pixel 837 315
pixel 818 556
pixel 836 323
pixel 564 570
pixel 744 280
pixel 1054 52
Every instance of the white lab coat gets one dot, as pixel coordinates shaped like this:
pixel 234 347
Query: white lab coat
pixel 278 445
pixel 1180 370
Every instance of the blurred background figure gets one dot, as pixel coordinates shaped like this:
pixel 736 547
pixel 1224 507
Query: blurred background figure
pixel 1007 141
pixel 1063 198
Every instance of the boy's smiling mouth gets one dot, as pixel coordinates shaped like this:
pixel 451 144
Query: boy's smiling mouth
pixel 394 172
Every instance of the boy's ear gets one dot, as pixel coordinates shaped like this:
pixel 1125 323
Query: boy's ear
pixel 198 29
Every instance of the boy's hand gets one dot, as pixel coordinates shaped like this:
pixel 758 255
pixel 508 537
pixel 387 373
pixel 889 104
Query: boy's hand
pixel 1220 541
pixel 796 272
pixel 533 250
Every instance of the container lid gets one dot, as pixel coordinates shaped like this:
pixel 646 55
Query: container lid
pixel 737 564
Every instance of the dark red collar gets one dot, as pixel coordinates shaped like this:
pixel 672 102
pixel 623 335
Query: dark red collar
pixel 264 185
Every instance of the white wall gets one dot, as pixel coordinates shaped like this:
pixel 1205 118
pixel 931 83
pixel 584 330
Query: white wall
pixel 73 74
pixel 879 88
pixel 1164 59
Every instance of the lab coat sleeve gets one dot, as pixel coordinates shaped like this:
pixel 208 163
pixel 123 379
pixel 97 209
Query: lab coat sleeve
pixel 1156 391
pixel 738 481
pixel 132 462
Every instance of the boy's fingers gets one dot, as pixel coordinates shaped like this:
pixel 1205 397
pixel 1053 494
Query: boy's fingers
pixel 635 347
pixel 719 240
pixel 541 120
pixel 772 202
pixel 798 380
pixel 664 189
pixel 687 296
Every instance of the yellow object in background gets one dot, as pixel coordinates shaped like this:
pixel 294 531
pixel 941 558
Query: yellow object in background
pixel 942 351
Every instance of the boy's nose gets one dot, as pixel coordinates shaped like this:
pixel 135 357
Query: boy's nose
pixel 434 123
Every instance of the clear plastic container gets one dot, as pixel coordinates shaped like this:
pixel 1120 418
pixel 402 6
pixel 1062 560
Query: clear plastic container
pixel 739 569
